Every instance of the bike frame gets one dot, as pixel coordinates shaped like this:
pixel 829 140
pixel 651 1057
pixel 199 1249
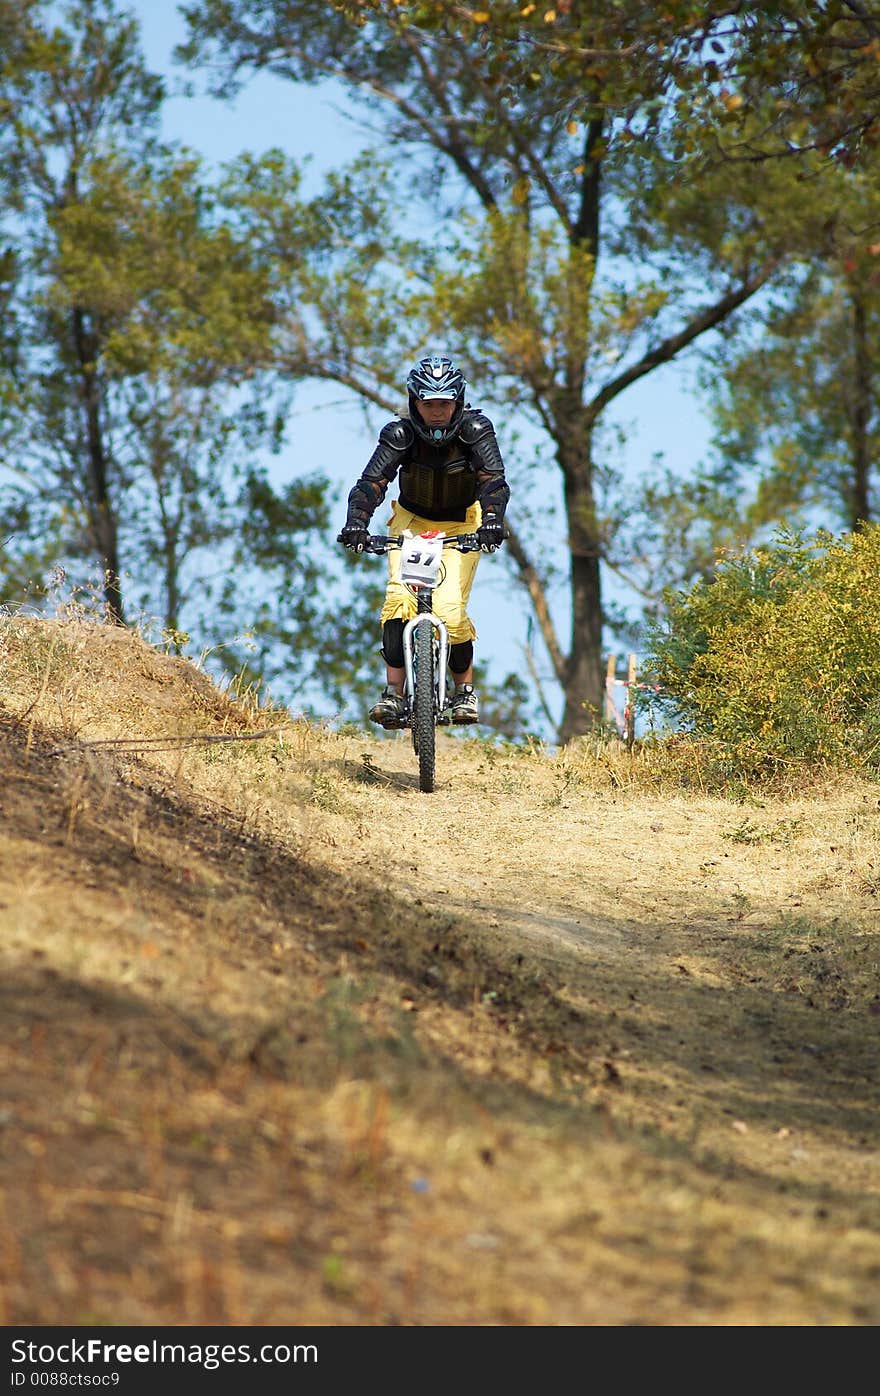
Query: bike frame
pixel 424 595
pixel 427 702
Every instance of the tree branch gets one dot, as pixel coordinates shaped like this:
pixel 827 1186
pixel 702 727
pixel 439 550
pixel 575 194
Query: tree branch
pixel 532 583
pixel 526 153
pixel 668 348
pixel 615 567
pixel 337 68
pixel 539 686
pixel 313 367
pixel 452 145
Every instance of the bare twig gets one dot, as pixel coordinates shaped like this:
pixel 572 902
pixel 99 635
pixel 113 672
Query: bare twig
pixel 171 742
pixel 532 582
pixel 539 686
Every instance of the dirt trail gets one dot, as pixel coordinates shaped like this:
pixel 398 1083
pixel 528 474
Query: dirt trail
pixel 285 1041
pixel 720 961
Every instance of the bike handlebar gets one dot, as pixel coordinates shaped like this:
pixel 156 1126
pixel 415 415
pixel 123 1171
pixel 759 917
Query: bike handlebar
pixel 379 543
pixel 463 542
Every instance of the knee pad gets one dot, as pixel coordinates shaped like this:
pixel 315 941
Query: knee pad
pixel 461 657
pixel 392 643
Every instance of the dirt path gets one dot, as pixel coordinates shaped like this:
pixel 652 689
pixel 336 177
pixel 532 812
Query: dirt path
pixel 285 1041
pixel 720 962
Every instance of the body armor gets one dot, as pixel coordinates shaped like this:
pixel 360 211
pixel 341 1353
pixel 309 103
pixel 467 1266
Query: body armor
pixel 436 482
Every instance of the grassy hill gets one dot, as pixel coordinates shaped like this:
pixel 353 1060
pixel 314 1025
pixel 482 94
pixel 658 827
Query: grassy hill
pixel 284 1041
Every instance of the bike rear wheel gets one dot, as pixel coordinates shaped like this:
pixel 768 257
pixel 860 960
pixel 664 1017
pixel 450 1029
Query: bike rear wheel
pixel 424 731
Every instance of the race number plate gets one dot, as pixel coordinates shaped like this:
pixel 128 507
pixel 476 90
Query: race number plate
pixel 420 559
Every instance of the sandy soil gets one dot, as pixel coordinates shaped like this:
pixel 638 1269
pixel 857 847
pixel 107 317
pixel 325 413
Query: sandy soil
pixel 286 1041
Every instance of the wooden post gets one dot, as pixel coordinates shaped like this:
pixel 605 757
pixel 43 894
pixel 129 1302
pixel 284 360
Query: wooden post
pixel 610 706
pixel 630 715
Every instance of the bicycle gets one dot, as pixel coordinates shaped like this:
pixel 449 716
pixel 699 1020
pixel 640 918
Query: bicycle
pixel 425 639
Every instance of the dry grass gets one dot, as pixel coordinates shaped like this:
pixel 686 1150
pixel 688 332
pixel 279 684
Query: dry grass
pixel 286 1041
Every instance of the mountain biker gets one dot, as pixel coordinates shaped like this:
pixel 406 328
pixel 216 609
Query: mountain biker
pixel 452 480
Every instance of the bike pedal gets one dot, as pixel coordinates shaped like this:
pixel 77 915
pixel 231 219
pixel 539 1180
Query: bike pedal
pixel 443 720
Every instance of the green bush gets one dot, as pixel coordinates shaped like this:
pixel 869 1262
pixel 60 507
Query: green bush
pixel 777 658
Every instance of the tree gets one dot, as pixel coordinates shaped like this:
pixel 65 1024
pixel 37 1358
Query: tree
pixel 809 65
pixel 815 59
pixel 794 394
pixel 181 312
pixel 136 399
pixel 521 190
pixel 799 411
pixel 62 93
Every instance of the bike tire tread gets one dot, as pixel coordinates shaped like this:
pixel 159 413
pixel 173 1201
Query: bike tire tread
pixel 424 731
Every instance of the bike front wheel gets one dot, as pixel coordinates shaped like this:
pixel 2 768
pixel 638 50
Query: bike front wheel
pixel 424 731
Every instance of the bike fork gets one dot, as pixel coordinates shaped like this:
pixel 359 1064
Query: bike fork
pixel 426 618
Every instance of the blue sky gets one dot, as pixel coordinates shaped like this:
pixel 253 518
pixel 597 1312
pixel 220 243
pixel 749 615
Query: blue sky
pixel 328 431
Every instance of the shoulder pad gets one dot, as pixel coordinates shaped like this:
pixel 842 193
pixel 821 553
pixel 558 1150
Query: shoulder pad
pixel 397 434
pixel 474 424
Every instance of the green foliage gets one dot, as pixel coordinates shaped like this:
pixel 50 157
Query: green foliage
pixel 816 60
pixel 783 832
pixel 795 394
pixel 777 659
pixel 507 707
pixel 141 381
pixel 151 252
pixel 517 182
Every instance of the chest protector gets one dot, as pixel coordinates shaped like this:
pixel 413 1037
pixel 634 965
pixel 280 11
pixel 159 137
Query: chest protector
pixel 438 482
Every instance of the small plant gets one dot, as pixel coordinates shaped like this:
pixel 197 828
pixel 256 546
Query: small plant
pixel 783 832
pixel 567 779
pixel 325 792
pixel 334 1277
pixel 351 729
pixel 776 660
pixel 368 772
pixel 175 641
pixel 513 782
pixel 741 905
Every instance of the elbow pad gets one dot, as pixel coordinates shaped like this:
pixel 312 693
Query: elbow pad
pixel 394 440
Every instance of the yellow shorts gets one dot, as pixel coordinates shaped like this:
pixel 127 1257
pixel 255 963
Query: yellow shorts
pixel 451 596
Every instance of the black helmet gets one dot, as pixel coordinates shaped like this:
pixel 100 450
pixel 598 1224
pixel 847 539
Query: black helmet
pixel 435 377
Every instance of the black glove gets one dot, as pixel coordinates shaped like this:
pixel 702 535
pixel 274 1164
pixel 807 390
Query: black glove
pixel 354 536
pixel 490 535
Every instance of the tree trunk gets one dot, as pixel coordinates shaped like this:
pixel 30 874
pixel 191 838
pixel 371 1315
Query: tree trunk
pixel 102 515
pixel 860 501
pixel 172 584
pixel 172 592
pixel 584 685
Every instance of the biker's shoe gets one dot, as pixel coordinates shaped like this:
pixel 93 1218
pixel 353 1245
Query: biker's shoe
pixel 465 704
pixel 390 711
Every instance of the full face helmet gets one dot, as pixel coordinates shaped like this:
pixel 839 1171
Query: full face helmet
pixel 435 378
